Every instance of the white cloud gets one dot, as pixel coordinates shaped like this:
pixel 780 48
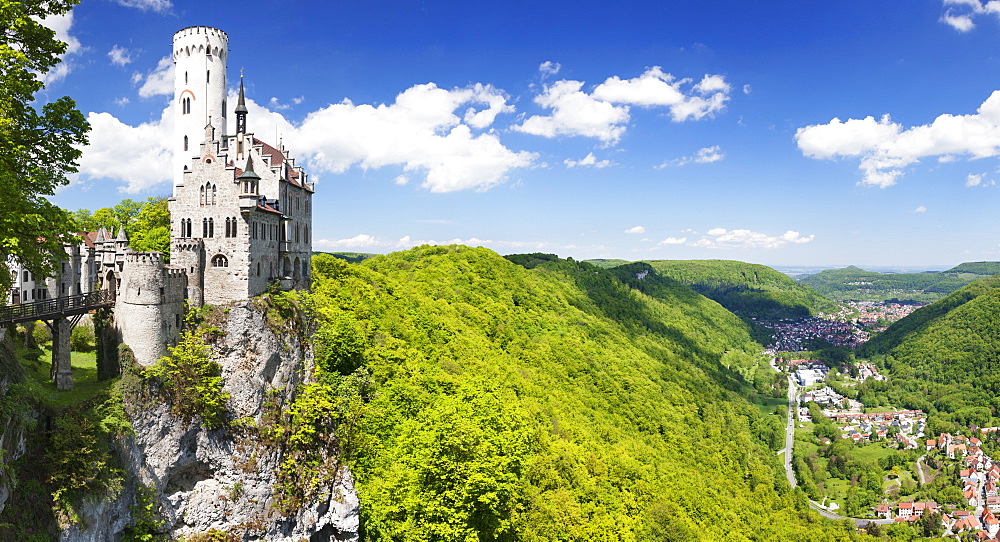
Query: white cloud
pixel 705 155
pixel 673 241
pixel 974 179
pixel 120 56
pixel 656 88
pixel 636 229
pixel 159 82
pixel 577 113
pixel 275 104
pixel 122 101
pixel 589 160
pixel 747 89
pixel 885 147
pixel 549 68
pixel 61 24
pixel 159 6
pixel 723 238
pixel 919 209
pixel 139 157
pixel 361 240
pixel 960 16
pixel 401 180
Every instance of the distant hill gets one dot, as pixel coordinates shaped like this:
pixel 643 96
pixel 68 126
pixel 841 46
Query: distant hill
pixel 353 257
pixel 978 268
pixel 945 357
pixel 606 263
pixel 856 284
pixel 749 290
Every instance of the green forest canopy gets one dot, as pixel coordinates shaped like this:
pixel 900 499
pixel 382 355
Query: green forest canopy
pixel 749 290
pixel 534 398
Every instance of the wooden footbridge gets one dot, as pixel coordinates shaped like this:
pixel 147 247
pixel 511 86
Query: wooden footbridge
pixel 61 314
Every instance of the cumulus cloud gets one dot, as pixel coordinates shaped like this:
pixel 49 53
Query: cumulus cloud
pixel 919 209
pixel 120 56
pixel 62 24
pixel 747 89
pixel 576 113
pixel 960 13
pixel 159 6
pixel 428 131
pixel 604 113
pixel 361 240
pixel 589 160
pixel 549 68
pixel 722 238
pixel 974 179
pixel 139 157
pixel 636 229
pixel 159 82
pixel 705 155
pixel 673 241
pixel 885 147
pixel 657 88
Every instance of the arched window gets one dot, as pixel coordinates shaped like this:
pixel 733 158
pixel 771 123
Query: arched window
pixel 220 261
pixel 213 194
pixel 201 197
pixel 211 227
pixel 258 269
pixel 228 227
pixel 185 142
pixel 204 227
pixel 185 78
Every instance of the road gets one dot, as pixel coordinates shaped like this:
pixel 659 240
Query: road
pixel 790 443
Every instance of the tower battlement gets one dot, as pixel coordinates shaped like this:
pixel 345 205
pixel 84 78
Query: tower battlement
pixel 144 258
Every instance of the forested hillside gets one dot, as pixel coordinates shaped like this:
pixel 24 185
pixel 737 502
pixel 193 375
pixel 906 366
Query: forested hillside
pixel 856 284
pixel 944 357
pixel 548 400
pixel 749 290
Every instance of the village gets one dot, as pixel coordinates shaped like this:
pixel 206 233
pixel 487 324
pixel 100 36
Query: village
pixel 961 458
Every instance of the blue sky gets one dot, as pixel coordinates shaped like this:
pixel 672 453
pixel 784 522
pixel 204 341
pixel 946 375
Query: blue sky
pixel 780 132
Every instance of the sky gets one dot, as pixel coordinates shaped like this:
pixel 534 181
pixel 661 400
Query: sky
pixel 781 132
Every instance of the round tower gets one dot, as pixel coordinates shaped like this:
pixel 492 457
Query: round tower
pixel 200 54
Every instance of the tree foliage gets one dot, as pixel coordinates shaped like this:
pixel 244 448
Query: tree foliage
pixel 552 401
pixel 38 147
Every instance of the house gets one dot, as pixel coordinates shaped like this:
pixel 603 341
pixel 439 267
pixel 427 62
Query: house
pixel 883 511
pixel 904 510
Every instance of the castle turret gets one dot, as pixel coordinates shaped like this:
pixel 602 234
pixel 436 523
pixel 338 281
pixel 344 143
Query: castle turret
pixel 200 54
pixel 151 305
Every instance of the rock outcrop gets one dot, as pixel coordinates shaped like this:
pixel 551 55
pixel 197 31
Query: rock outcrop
pixel 219 479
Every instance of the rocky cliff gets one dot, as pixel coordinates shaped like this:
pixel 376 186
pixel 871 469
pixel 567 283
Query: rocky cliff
pixel 202 480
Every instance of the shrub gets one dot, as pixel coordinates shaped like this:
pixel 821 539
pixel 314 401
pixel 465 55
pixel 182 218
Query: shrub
pixel 192 382
pixel 82 339
pixel 41 333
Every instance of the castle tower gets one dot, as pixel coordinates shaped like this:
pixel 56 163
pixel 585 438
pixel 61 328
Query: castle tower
pixel 200 54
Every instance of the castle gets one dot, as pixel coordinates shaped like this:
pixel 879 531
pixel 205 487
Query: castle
pixel 241 215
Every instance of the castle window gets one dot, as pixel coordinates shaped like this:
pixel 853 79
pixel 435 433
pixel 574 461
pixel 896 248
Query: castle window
pixel 258 269
pixel 204 227
pixel 213 194
pixel 201 198
pixel 185 142
pixel 185 78
pixel 26 276
pixel 208 76
pixel 220 261
pixel 227 226
pixel 211 227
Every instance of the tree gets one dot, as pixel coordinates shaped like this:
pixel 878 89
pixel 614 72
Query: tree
pixel 37 148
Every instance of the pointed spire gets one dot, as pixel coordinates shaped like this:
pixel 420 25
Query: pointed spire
pixel 241 110
pixel 248 172
pixel 102 235
pixel 241 105
pixel 121 235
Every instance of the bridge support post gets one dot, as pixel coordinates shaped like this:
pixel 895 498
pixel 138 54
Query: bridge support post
pixel 62 370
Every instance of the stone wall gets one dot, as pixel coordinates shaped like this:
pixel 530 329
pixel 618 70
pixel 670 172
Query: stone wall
pixel 150 306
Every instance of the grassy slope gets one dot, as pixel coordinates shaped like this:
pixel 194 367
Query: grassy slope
pixel 744 288
pixel 553 403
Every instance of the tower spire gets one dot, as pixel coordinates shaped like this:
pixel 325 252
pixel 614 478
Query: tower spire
pixel 241 110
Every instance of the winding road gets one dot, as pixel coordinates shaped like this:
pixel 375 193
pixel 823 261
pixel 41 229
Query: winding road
pixel 790 473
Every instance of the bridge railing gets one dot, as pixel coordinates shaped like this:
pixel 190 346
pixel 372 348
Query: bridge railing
pixel 39 310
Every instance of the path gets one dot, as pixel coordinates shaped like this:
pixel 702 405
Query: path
pixel 790 474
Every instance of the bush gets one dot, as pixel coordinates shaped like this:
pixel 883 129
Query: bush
pixel 192 382
pixel 41 333
pixel 82 339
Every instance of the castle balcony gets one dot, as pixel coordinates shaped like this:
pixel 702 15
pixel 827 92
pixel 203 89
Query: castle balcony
pixel 284 246
pixel 248 202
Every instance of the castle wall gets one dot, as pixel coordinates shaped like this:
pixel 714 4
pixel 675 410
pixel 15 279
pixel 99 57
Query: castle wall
pixel 150 305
